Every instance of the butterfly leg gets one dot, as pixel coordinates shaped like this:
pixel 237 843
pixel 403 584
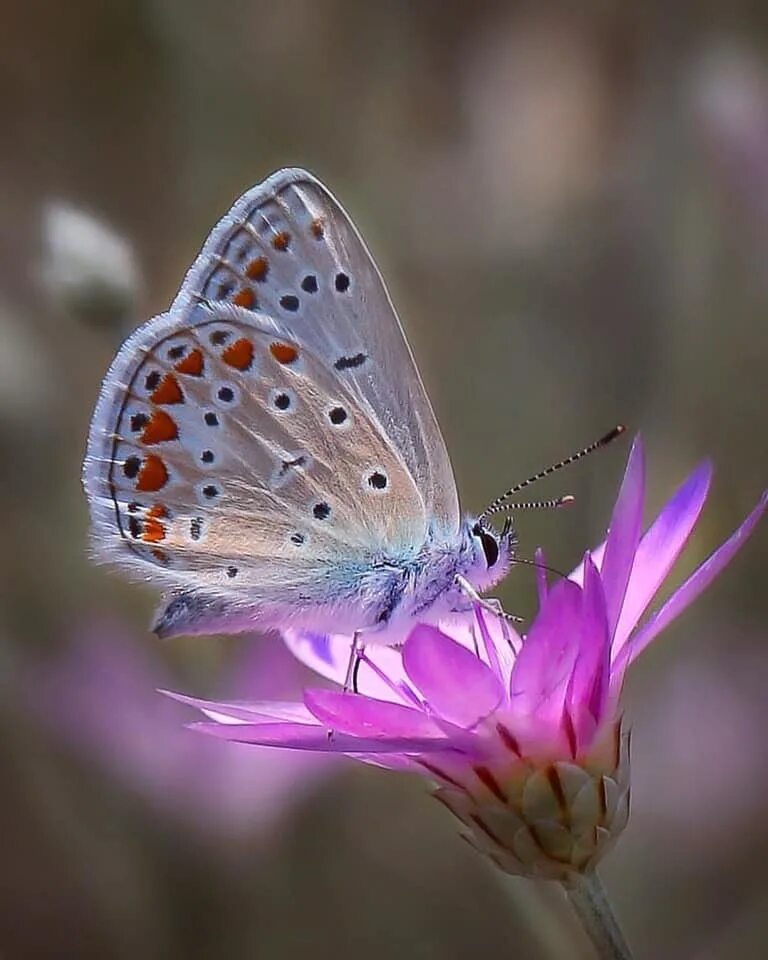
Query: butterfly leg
pixel 350 680
pixel 491 606
pixel 495 604
pixel 355 656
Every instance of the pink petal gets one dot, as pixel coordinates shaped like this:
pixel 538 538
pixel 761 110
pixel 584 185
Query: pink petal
pixel 328 656
pixel 623 535
pixel 660 547
pixel 693 586
pixel 300 736
pixel 365 717
pixel 543 667
pixel 542 586
pixel 588 689
pixel 245 711
pixel 596 555
pixel 455 683
pixel 500 640
pixel 386 761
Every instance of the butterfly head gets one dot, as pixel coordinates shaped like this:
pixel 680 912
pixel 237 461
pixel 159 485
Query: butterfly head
pixel 492 551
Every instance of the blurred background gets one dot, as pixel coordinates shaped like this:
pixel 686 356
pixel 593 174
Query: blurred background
pixel 571 209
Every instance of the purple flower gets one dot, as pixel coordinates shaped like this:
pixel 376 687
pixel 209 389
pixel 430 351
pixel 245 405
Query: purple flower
pixel 522 735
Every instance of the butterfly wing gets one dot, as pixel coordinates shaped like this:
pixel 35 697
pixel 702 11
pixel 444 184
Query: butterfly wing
pixel 226 449
pixel 288 249
pixel 252 437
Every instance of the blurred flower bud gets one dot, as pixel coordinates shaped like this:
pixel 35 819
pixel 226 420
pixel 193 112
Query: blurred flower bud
pixel 89 271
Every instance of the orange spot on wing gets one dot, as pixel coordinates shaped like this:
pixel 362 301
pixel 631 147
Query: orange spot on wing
pixel 317 228
pixel 239 354
pixel 245 298
pixel 192 364
pixel 158 511
pixel 154 531
pixel 160 427
pixel 168 391
pixel 160 555
pixel 257 269
pixel 282 240
pixel 283 352
pixel 153 474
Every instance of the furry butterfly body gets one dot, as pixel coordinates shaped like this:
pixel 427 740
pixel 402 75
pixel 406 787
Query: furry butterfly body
pixel 266 450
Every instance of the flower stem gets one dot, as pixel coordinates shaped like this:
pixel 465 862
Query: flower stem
pixel 587 896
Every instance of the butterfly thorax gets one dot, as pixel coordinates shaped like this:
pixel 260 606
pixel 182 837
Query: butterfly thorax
pixel 426 586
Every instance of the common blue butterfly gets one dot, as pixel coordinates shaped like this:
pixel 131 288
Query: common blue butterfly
pixel 266 450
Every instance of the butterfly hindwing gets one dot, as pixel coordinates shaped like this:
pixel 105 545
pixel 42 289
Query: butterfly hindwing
pixel 235 453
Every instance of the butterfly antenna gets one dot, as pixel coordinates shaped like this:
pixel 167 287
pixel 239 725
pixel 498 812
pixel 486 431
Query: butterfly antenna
pixel 539 566
pixel 496 504
pixel 552 504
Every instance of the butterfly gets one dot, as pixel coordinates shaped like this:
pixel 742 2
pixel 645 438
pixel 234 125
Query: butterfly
pixel 266 450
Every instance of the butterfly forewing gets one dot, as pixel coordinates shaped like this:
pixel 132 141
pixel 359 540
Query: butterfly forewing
pixel 288 249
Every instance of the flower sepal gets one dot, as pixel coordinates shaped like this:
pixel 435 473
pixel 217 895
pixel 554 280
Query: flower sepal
pixel 547 821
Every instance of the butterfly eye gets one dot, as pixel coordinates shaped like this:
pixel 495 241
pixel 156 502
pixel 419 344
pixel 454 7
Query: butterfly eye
pixel 489 543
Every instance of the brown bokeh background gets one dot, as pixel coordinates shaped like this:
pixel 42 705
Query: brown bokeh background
pixel 571 209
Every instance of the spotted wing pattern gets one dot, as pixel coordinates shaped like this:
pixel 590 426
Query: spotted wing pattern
pixel 271 430
pixel 237 455
pixel 288 249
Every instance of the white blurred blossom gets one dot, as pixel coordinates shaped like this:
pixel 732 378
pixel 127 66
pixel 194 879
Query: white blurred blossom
pixel 89 270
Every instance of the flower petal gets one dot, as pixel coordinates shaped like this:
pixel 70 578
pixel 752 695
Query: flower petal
pixel 693 586
pixel 456 684
pixel 588 689
pixel 543 667
pixel 542 586
pixel 245 711
pixel 328 655
pixel 500 640
pixel 303 736
pixel 365 717
pixel 596 555
pixel 660 547
pixel 623 535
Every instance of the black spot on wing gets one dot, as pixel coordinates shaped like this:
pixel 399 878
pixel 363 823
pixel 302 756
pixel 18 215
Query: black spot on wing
pixel 349 363
pixel 286 465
